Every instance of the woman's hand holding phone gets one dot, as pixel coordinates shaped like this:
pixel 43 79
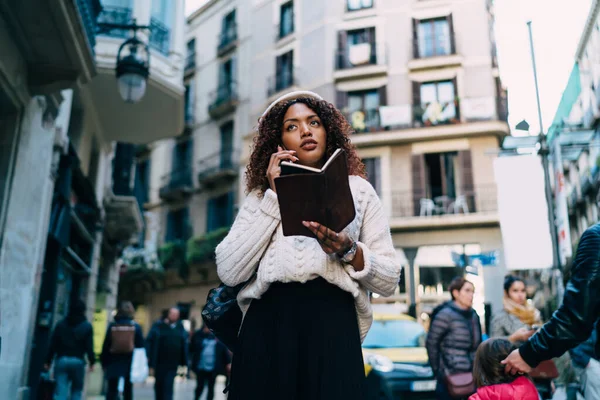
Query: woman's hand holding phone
pixel 274 170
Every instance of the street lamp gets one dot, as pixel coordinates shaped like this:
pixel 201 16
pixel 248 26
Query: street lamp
pixel 133 68
pixel 133 62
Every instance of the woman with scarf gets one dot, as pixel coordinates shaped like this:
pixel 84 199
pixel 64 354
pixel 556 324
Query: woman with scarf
pixel 518 321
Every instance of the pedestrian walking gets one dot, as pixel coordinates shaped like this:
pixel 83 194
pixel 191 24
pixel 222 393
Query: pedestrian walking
pixel 575 319
pixel 122 337
pixel 453 338
pixel 492 381
pixel 71 341
pixel 166 347
pixel 210 358
pixel 307 306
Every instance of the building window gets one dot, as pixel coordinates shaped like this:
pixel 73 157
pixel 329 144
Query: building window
pixel 441 174
pixel 226 80
pixel 220 212
pixel 189 102
pixel 116 12
pixel 356 48
pixel 190 59
pixel 179 227
pixel 142 182
pixel 228 30
pixel 226 146
pixel 286 22
pixel 434 37
pixel 438 103
pixel 373 170
pixel 160 23
pixel 363 110
pixel 284 76
pixel 181 172
pixel 354 5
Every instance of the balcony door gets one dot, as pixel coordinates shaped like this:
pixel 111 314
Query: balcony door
pixel 226 146
pixel 181 173
pixel 363 109
pixel 226 78
pixel 434 37
pixel 286 24
pixel 356 47
pixel 437 102
pixel 284 66
pixel 373 170
pixel 220 212
pixel 228 29
pixel 179 227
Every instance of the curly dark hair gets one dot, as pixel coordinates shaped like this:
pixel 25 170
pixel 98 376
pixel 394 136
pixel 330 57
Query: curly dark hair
pixel 269 137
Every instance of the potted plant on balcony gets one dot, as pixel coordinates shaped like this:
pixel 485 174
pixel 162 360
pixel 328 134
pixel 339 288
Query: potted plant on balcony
pixel 202 248
pixel 172 256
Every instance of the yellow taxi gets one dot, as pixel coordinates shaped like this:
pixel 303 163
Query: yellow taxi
pixel 396 363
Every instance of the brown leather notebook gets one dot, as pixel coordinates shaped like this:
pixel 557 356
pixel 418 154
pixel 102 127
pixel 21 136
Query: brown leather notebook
pixel 312 194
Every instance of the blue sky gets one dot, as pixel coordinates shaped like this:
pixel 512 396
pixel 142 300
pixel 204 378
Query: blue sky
pixel 557 27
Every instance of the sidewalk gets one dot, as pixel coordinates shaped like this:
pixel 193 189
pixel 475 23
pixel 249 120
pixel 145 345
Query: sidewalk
pixel 184 390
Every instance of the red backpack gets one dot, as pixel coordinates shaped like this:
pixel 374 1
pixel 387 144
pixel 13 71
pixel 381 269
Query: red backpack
pixel 122 338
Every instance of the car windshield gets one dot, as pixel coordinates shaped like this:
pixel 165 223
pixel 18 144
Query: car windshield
pixel 393 334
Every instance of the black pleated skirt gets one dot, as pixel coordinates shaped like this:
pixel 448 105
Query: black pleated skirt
pixel 299 342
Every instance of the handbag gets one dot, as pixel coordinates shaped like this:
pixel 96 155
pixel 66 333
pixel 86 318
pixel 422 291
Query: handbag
pixel 46 387
pixel 460 385
pixel 139 366
pixel 222 314
pixel 545 370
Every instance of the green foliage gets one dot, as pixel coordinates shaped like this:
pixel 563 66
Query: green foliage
pixel 172 256
pixel 202 248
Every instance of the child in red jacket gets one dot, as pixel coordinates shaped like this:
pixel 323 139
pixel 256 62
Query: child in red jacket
pixel 491 380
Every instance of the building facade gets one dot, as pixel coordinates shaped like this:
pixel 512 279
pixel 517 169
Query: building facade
pixel 67 200
pixel 418 81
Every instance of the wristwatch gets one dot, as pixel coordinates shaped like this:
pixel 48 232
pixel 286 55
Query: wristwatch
pixel 348 255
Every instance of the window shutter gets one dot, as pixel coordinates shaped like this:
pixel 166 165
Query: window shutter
pixel 452 36
pixel 466 171
pixel 341 100
pixel 456 99
pixel 382 91
pixel 341 53
pixel 418 182
pixel 417 113
pixel 415 28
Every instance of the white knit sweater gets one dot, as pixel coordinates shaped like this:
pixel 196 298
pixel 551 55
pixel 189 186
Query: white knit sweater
pixel 256 240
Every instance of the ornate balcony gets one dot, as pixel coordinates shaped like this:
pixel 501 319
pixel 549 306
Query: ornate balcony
pixel 224 100
pixel 177 185
pixel 219 168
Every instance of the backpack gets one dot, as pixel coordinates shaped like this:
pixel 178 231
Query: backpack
pixel 122 338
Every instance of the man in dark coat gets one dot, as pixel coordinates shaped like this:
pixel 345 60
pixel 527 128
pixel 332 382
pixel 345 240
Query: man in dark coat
pixel 210 358
pixel 167 348
pixel 574 321
pixel 72 340
pixel 118 365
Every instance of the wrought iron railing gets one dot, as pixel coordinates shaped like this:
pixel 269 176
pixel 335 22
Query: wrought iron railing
pixel 225 93
pixel 281 82
pixel 115 15
pixel 177 179
pixel 159 36
pixel 89 11
pixel 481 199
pixel 226 160
pixel 406 116
pixel 227 37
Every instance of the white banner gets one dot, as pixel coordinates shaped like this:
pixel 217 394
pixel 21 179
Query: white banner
pixel 395 115
pixel 478 108
pixel 523 212
pixel 561 211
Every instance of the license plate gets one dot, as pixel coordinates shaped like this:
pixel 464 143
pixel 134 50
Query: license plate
pixel 423 386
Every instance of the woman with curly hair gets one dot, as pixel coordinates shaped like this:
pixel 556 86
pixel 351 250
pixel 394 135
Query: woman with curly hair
pixel 306 304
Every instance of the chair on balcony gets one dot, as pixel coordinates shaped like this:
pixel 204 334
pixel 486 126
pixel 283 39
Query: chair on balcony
pixel 460 203
pixel 427 207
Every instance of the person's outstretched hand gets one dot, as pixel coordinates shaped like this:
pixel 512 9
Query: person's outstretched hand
pixel 515 364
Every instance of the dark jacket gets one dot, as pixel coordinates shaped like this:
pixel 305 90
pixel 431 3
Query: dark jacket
pixel 119 365
pixel 574 321
pixel 582 354
pixel 222 353
pixel 161 343
pixel 72 337
pixel 453 338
